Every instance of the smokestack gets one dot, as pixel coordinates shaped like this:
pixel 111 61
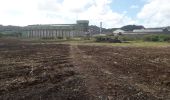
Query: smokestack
pixel 100 27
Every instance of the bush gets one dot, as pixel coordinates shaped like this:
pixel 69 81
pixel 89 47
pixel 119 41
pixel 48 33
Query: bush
pixel 126 38
pixel 107 39
pixel 157 38
pixel 154 38
pixel 60 37
pixel 1 35
pixel 47 38
pixel 167 39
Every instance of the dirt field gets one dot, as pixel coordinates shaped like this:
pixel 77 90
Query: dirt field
pixel 80 72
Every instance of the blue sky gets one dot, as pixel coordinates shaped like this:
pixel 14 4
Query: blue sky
pixel 132 7
pixel 113 13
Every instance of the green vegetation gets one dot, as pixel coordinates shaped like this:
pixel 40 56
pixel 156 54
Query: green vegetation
pixel 133 39
pixel 110 39
pixel 129 44
pixel 15 34
pixel 157 38
pixel 132 27
pixel 129 38
pixel 146 38
pixel 1 35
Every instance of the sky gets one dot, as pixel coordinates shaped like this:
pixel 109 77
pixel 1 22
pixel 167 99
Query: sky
pixel 112 13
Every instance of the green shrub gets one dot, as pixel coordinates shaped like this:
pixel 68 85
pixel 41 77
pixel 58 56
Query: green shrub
pixel 157 38
pixel 126 38
pixel 60 37
pixel 47 38
pixel 111 39
pixel 1 35
pixel 167 39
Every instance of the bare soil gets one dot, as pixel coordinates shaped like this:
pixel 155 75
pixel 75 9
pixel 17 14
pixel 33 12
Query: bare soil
pixel 41 71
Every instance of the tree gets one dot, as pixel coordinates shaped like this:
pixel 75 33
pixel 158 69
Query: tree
pixel 165 30
pixel 132 27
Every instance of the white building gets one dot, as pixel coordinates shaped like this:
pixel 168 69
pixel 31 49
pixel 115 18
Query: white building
pixel 118 31
pixel 148 30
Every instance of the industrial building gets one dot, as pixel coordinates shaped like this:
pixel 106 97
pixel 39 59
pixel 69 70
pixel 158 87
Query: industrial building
pixel 56 30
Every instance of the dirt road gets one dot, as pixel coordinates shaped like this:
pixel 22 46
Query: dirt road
pixel 79 72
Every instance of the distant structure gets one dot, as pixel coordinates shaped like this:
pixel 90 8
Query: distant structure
pixel 56 30
pixel 100 27
pixel 149 30
pixel 93 29
pixel 144 31
pixel 118 31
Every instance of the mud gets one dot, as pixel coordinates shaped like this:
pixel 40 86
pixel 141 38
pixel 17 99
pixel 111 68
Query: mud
pixel 78 72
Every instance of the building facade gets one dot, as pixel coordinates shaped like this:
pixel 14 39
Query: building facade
pixel 56 30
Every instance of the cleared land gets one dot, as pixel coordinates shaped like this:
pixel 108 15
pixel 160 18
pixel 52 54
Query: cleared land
pixel 82 72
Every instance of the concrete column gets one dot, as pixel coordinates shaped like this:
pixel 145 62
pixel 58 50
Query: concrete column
pixel 51 35
pixel 44 32
pixel 48 31
pixel 66 35
pixel 57 33
pixel 30 31
pixel 69 34
pixel 43 35
pixel 38 36
pixel 61 34
pixel 27 34
pixel 54 34
pixel 38 33
pixel 33 34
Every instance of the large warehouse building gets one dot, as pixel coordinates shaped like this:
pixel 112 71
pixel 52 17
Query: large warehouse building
pixel 57 30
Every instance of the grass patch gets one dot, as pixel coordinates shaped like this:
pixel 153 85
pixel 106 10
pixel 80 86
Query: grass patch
pixel 129 43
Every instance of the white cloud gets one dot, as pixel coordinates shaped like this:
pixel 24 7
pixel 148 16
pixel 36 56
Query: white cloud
pixel 24 12
pixel 155 13
pixel 134 6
